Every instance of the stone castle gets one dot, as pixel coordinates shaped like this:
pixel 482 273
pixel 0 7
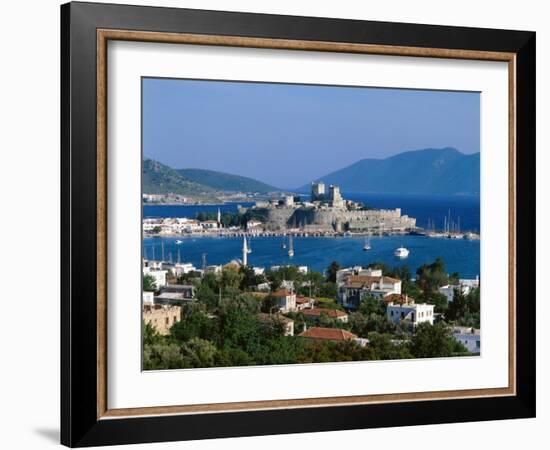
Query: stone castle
pixel 329 211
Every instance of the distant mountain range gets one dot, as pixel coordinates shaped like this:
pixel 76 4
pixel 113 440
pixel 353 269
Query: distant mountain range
pixel 202 184
pixel 429 171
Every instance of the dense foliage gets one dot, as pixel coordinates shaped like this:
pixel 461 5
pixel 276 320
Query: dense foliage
pixel 227 325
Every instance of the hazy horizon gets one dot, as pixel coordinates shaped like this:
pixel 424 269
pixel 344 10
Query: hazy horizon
pixel 288 135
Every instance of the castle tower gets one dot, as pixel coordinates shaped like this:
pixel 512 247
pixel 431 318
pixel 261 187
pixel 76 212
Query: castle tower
pixel 317 191
pixel 335 197
pixel 245 252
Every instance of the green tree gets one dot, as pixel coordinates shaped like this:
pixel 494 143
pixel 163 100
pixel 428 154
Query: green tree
pixel 150 335
pixel 230 357
pixel 378 265
pixel 429 277
pixel 370 305
pixel 312 282
pixel 435 298
pixel 327 289
pixel 194 323
pixel 162 356
pixel 211 281
pixel 192 277
pixel 198 353
pixel 432 341
pixel 149 283
pixel 207 296
pixel 464 309
pixel 269 304
pixel 454 278
pixel 386 348
pixel 458 307
pixel 332 269
pixel 231 277
pixel 239 324
pixel 249 278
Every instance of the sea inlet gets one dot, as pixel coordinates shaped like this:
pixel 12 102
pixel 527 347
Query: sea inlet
pixel 460 255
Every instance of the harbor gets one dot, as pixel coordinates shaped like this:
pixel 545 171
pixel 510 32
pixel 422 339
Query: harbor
pixel 178 230
pixel 317 252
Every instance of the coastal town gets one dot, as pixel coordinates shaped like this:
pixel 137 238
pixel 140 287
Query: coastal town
pixel 325 213
pixel 293 313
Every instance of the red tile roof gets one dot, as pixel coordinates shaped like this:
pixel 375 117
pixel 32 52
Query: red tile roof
pixel 391 280
pixel 329 334
pixel 398 298
pixel 359 281
pixel 281 293
pixel 316 312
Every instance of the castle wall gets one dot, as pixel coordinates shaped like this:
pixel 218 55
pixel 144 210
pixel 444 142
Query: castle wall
pixel 338 219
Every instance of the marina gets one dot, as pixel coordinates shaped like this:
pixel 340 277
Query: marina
pixel 460 255
pixel 459 247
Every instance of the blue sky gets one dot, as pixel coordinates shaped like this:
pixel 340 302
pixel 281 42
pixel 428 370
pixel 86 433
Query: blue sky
pixel 287 135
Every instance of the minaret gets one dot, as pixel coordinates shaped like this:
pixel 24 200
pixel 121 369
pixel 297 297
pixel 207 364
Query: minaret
pixel 245 252
pixel 219 218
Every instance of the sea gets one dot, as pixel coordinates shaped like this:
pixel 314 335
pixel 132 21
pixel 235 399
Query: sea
pixel 460 255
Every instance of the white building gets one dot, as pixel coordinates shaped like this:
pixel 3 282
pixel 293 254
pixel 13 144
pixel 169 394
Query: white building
pixel 301 269
pixel 215 269
pixel 270 320
pixel 263 287
pixel 158 275
pixel 253 224
pixel 469 337
pixel 343 274
pixel 182 268
pixel 415 313
pixel 286 300
pixel 356 287
pixel 209 225
pixel 465 285
pixel 258 270
pixel 176 294
pixel 148 297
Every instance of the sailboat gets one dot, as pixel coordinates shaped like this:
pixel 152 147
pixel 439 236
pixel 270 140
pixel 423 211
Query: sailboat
pixel 249 246
pixel 367 244
pixel 283 245
pixel 291 247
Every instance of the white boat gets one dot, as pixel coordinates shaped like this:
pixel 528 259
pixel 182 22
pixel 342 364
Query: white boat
pixel 178 242
pixel 249 246
pixel 401 252
pixel 291 247
pixel 347 233
pixel 367 245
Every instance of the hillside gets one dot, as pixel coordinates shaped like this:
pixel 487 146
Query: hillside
pixel 160 179
pixel 226 182
pixel 429 171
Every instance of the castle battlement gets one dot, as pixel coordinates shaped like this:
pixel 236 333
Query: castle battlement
pixel 331 212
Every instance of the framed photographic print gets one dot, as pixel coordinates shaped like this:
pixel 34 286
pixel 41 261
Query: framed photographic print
pixel 277 224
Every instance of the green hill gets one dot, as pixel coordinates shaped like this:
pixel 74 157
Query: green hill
pixel 221 181
pixel 160 179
